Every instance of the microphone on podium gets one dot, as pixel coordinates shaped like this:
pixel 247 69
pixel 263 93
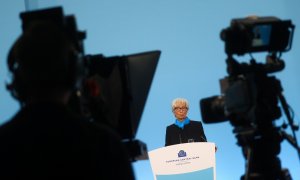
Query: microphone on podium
pixel 204 139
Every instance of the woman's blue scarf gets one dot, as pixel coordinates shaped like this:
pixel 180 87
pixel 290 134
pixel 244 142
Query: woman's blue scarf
pixel 181 124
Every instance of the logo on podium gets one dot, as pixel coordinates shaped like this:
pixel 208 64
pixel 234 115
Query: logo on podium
pixel 182 153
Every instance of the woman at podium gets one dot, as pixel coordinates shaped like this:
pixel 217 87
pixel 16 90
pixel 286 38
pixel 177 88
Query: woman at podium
pixel 183 130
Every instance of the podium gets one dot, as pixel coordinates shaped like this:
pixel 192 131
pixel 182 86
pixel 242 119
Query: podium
pixel 192 161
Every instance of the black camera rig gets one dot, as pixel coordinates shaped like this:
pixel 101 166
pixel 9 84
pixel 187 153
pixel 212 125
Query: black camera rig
pixel 111 90
pixel 249 96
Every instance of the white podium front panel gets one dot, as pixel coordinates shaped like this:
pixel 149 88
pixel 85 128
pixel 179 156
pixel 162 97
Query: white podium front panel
pixel 184 161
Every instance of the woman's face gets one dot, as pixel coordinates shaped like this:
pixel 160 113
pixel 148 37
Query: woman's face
pixel 180 111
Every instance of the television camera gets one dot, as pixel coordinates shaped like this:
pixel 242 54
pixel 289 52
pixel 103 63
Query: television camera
pixel 249 96
pixel 110 90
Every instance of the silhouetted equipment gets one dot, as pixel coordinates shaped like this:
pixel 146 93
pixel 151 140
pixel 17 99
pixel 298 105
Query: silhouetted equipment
pixel 110 90
pixel 124 83
pixel 56 16
pixel 73 66
pixel 257 34
pixel 249 97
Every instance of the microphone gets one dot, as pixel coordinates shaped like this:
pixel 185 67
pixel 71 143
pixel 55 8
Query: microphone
pixel 204 139
pixel 180 141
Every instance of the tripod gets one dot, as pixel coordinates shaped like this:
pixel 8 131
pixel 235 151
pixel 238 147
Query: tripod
pixel 261 144
pixel 255 130
pixel 260 148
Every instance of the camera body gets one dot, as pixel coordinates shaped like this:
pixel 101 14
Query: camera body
pixel 106 90
pixel 247 99
pixel 248 94
pixel 56 16
pixel 56 31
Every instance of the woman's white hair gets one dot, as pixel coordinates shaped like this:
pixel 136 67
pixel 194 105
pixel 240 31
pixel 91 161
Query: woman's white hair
pixel 177 101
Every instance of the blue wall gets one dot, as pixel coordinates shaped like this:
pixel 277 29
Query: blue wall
pixel 191 64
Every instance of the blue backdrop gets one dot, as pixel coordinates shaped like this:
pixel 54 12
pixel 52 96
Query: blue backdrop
pixel 191 64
